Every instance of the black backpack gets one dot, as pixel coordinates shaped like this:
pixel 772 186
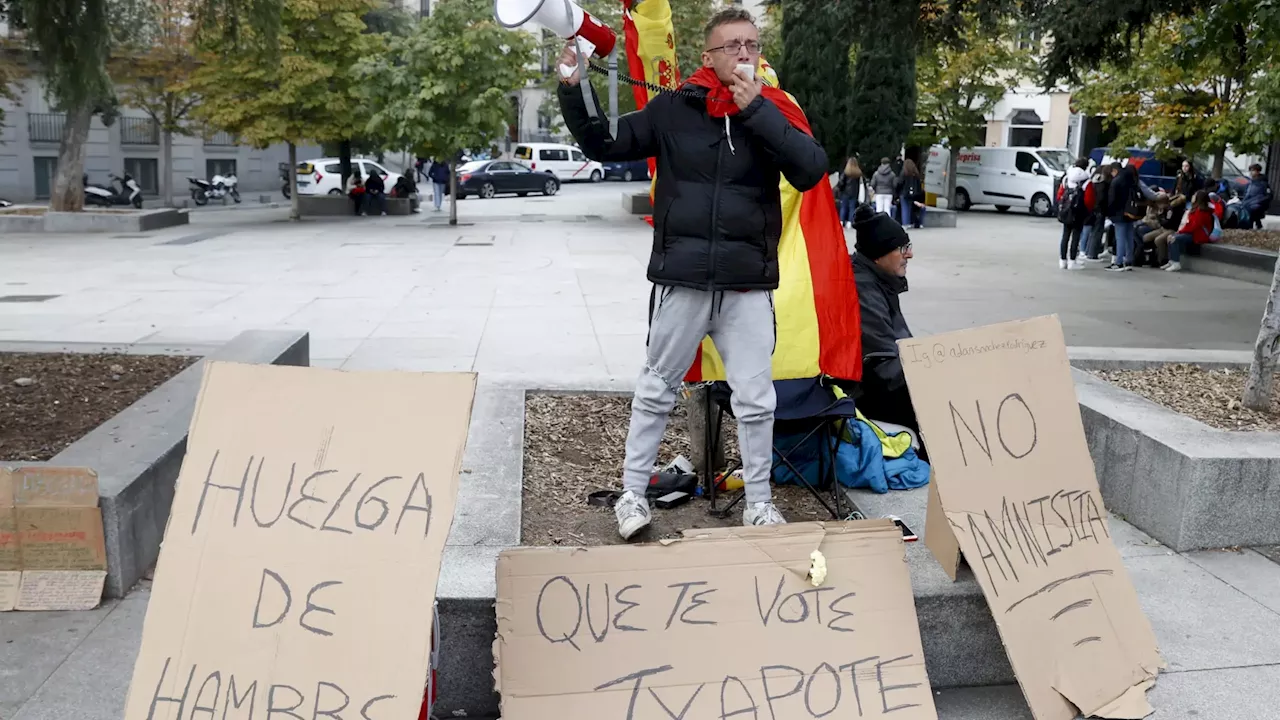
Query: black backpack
pixel 1072 210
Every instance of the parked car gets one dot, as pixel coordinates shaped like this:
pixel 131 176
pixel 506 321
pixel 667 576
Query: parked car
pixel 1159 173
pixel 628 171
pixel 324 175
pixel 1005 177
pixel 490 178
pixel 564 161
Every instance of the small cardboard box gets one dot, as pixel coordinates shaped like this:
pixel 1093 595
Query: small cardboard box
pixel 52 554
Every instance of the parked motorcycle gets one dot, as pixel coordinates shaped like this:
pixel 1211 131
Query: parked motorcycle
pixel 5 203
pixel 118 191
pixel 222 186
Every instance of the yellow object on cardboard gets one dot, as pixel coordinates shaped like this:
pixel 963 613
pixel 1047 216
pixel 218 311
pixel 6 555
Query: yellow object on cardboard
pixel 721 624
pixel 1014 489
pixel 298 571
pixel 52 554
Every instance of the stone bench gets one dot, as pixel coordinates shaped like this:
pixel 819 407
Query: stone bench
pixel 338 205
pixel 1231 261
pixel 637 203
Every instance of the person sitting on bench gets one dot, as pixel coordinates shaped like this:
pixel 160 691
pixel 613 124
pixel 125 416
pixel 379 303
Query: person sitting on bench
pixel 880 259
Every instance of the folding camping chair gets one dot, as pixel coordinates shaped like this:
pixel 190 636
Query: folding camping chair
pixel 804 406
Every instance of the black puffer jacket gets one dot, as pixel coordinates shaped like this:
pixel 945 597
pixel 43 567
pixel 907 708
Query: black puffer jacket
pixel 717 211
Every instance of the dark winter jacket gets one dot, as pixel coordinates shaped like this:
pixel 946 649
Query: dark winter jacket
pixel 439 173
pixel 883 181
pixel 909 187
pixel 882 325
pixel 1122 190
pixel 717 211
pixel 1188 184
pixel 375 184
pixel 1258 195
pixel 848 187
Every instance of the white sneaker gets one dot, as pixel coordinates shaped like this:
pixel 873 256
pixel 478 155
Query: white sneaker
pixel 633 514
pixel 1127 268
pixel 1173 267
pixel 1063 264
pixel 1075 265
pixel 765 513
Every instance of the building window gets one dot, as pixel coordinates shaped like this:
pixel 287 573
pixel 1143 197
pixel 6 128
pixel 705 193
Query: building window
pixel 146 171
pixel 426 8
pixel 46 168
pixel 1026 129
pixel 139 131
pixel 219 166
pixel 45 127
pixel 220 139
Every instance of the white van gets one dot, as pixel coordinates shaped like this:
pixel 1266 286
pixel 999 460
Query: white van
pixel 1005 177
pixel 566 162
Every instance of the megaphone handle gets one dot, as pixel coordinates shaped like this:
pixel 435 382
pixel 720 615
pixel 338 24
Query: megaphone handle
pixel 584 82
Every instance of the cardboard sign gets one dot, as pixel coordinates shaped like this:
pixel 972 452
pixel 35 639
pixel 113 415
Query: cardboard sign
pixel 998 410
pixel 299 564
pixel 724 624
pixel 52 554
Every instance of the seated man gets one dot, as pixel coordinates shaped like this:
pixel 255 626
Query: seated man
pixel 880 261
pixel 1257 198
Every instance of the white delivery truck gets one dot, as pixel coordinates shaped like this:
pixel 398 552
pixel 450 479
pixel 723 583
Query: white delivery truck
pixel 1005 177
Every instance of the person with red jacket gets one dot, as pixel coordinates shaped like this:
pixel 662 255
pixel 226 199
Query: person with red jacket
pixel 1195 230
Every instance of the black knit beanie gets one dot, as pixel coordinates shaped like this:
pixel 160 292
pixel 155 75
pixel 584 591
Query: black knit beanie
pixel 877 233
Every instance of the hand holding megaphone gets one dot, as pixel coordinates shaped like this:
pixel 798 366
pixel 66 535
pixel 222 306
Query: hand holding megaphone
pixel 570 73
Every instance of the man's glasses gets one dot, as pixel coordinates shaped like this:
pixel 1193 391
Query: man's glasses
pixel 905 248
pixel 734 46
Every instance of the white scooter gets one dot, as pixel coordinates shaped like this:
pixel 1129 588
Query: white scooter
pixel 202 191
pixel 119 191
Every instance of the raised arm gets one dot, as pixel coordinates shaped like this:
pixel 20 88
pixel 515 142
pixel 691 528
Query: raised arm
pixel 799 157
pixel 636 138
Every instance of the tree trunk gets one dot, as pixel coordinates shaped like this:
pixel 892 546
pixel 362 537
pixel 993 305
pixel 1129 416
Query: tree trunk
pixel 1218 157
pixel 67 194
pixel 953 161
pixel 453 192
pixel 344 160
pixel 166 167
pixel 295 213
pixel 1257 388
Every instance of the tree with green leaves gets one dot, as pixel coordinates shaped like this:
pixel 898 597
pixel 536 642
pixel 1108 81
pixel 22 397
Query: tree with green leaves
pixel 11 71
pixel 445 87
pixel 883 100
pixel 73 39
pixel 958 85
pixel 1186 91
pixel 816 36
pixel 302 89
pixel 154 69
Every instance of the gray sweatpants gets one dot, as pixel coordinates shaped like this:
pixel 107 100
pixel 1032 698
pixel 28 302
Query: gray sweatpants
pixel 742 326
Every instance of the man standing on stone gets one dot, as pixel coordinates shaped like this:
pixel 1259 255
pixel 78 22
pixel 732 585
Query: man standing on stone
pixel 722 146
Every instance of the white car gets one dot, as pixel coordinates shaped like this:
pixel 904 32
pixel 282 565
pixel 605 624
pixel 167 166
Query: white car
pixel 324 175
pixel 566 162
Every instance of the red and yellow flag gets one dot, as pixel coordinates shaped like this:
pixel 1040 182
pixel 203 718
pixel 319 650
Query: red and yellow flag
pixel 816 302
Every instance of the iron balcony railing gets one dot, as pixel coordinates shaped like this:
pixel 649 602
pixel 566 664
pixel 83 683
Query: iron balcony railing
pixel 139 131
pixel 221 139
pixel 45 127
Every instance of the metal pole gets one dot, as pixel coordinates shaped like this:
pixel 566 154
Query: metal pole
pixel 613 92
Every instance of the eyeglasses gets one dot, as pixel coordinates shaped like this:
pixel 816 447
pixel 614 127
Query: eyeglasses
pixel 905 248
pixel 734 46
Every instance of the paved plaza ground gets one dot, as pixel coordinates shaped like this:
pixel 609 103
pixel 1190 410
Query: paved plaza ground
pixel 537 293
pixel 558 297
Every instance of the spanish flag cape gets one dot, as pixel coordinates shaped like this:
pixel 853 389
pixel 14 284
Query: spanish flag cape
pixel 816 302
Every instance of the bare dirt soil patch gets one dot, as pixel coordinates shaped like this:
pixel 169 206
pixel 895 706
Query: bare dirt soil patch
pixel 48 401
pixel 574 445
pixel 1259 239
pixel 1210 396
